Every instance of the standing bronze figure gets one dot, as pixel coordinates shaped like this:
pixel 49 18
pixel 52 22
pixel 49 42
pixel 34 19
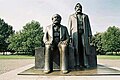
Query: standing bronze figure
pixel 56 37
pixel 80 35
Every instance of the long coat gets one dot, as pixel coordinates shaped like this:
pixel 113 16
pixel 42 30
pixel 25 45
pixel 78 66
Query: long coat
pixel 86 36
pixel 48 36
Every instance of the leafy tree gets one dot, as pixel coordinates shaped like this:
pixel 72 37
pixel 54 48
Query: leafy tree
pixel 27 39
pixel 97 42
pixel 5 31
pixel 111 39
pixel 15 41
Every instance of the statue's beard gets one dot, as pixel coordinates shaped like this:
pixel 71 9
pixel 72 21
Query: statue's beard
pixel 56 22
pixel 79 11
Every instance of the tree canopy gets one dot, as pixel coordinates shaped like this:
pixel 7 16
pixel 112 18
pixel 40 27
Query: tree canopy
pixel 5 32
pixel 97 41
pixel 111 39
pixel 108 41
pixel 27 39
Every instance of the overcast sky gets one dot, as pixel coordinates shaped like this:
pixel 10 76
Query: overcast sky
pixel 102 13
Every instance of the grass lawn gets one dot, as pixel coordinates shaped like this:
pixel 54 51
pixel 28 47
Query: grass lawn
pixel 16 57
pixel 32 57
pixel 108 57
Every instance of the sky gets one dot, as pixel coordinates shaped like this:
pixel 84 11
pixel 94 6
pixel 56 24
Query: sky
pixel 102 13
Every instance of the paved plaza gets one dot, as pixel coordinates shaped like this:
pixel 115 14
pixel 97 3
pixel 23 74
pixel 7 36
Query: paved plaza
pixel 7 65
pixel 11 67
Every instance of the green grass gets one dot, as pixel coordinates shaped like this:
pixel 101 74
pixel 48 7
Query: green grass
pixel 108 57
pixel 32 57
pixel 16 57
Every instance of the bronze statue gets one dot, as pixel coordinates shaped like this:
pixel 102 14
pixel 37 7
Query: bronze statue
pixel 56 37
pixel 80 36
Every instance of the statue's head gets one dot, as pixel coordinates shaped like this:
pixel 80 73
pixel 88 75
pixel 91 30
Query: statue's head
pixel 56 19
pixel 78 8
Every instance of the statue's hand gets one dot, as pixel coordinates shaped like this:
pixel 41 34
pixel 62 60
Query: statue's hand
pixel 47 43
pixel 65 42
pixel 62 43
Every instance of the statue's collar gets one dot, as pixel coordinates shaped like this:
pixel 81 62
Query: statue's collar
pixel 75 14
pixel 56 25
pixel 78 13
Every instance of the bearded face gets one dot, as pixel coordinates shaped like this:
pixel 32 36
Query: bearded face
pixel 78 8
pixel 56 19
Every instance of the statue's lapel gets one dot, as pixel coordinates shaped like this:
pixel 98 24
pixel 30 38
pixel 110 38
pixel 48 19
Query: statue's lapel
pixel 75 22
pixel 75 16
pixel 50 31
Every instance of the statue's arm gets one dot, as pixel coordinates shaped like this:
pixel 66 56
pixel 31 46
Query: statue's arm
pixel 70 27
pixel 45 37
pixel 89 29
pixel 66 38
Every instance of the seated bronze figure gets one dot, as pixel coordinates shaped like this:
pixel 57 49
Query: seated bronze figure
pixel 56 37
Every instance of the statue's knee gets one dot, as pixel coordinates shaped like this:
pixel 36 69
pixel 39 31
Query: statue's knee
pixel 63 46
pixel 47 46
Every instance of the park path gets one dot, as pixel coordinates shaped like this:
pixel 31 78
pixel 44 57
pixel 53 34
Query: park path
pixel 11 64
pixel 109 62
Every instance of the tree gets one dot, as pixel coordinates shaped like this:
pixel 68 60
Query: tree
pixel 15 42
pixel 111 39
pixel 97 42
pixel 5 31
pixel 27 39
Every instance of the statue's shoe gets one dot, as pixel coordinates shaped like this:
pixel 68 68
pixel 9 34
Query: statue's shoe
pixel 65 71
pixel 47 71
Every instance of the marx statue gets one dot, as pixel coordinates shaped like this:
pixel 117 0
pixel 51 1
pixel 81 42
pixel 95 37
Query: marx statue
pixel 56 37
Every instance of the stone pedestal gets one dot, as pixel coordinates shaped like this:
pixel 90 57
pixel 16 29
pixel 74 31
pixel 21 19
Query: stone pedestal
pixel 92 58
pixel 40 59
pixel 71 58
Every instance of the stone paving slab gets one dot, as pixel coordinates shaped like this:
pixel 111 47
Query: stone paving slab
pixel 11 64
pixel 109 62
pixel 12 75
pixel 79 78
